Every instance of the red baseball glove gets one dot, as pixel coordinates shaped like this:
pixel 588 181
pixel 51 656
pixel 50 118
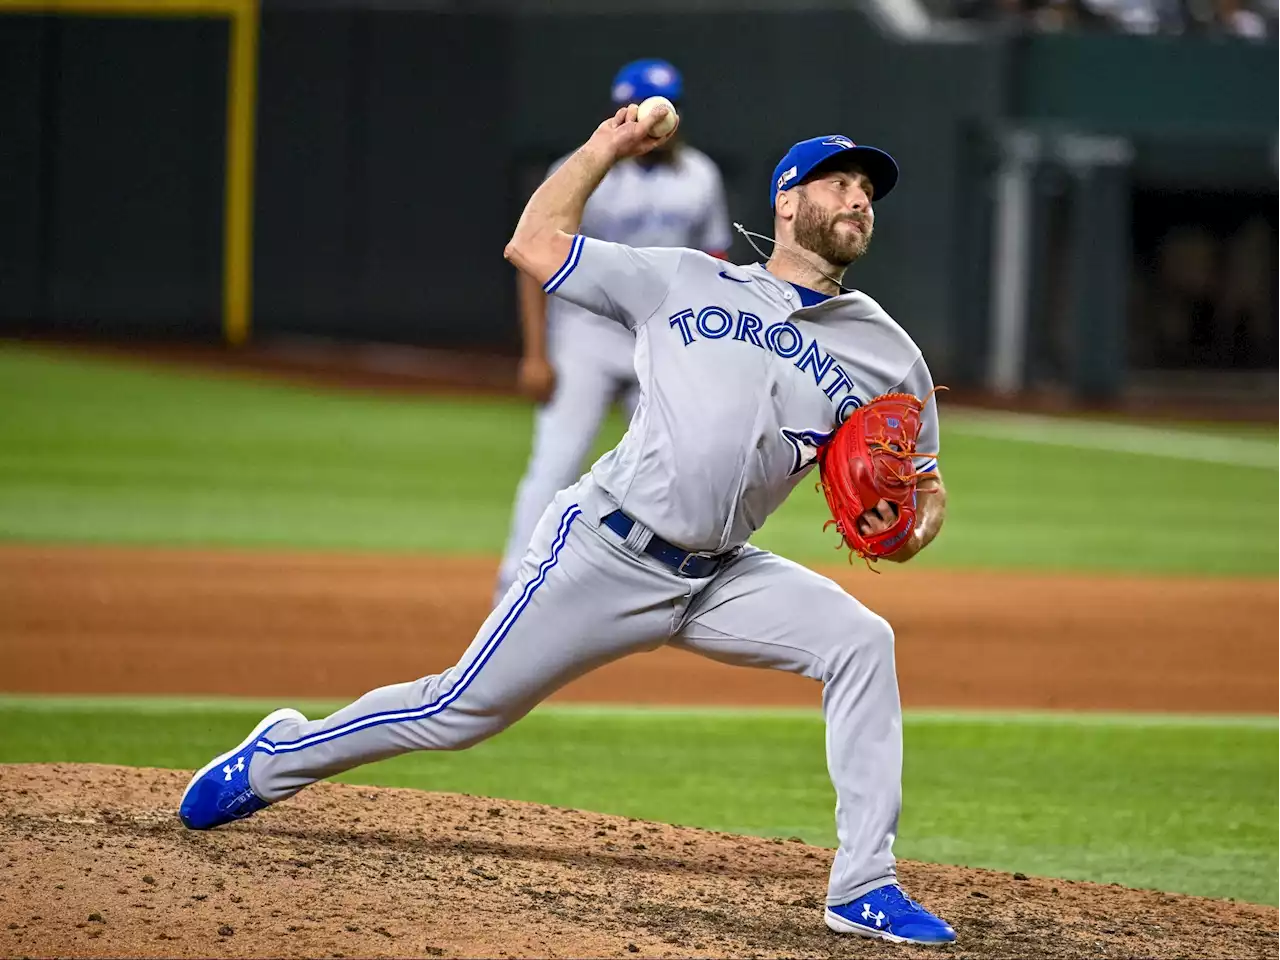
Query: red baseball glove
pixel 869 459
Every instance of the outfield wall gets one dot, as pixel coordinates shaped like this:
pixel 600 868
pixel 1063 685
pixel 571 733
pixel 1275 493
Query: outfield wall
pixel 394 148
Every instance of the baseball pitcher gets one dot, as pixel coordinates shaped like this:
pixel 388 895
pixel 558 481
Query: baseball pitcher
pixel 749 376
pixel 576 362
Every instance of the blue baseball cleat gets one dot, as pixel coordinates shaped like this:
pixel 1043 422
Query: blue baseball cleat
pixel 887 913
pixel 220 792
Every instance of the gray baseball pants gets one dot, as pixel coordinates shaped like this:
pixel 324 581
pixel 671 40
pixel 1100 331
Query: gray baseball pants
pixel 583 598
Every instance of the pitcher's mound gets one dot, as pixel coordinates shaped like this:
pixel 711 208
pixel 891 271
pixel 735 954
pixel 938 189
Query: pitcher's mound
pixel 95 863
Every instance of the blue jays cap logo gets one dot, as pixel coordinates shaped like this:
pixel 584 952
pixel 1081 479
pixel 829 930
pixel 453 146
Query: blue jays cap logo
pixel 804 157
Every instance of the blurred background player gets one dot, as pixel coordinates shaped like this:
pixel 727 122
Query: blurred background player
pixel 576 364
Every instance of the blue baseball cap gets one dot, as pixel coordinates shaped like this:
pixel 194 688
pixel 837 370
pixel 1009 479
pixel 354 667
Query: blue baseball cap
pixel 641 79
pixel 801 160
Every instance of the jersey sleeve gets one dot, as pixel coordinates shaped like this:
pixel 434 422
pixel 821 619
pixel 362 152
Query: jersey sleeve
pixel 715 234
pixel 918 382
pixel 626 284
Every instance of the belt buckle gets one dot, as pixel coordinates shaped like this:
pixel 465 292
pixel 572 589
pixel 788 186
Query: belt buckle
pixel 680 570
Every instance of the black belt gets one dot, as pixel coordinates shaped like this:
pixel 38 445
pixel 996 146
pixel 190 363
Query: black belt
pixel 685 564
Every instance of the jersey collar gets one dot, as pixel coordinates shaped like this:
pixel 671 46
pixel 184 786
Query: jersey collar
pixel 788 292
pixel 811 298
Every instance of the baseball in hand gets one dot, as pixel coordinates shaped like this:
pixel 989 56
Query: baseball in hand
pixel 667 123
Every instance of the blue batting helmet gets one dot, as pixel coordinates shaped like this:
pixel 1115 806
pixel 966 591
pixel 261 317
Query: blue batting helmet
pixel 641 79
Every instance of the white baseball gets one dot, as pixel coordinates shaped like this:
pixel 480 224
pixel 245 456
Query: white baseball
pixel 667 123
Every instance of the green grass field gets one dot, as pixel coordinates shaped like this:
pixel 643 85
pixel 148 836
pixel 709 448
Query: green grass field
pixel 93 451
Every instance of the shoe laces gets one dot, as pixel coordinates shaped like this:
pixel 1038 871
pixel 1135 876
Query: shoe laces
pixel 895 895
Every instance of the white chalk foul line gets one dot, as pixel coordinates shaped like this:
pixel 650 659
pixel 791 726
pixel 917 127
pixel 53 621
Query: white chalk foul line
pixel 1116 437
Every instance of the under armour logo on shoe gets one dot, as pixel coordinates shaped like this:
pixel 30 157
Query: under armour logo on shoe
pixel 229 769
pixel 867 913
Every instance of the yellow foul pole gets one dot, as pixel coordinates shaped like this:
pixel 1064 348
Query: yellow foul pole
pixel 242 94
pixel 242 83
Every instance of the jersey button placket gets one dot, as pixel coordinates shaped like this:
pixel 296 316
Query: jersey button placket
pixel 773 392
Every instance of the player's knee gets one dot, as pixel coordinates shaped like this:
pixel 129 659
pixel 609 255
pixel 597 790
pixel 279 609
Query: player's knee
pixel 865 643
pixel 878 637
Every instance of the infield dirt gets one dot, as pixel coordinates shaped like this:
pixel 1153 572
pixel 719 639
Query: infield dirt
pixel 252 624
pixel 96 864
pixel 243 623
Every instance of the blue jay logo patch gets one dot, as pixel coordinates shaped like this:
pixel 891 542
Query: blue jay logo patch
pixel 804 447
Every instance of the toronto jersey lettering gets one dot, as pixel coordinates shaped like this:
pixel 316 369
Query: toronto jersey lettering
pixel 739 384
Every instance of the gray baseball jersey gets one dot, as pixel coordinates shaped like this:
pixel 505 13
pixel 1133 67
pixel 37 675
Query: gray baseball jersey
pixel 739 384
pixel 738 387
